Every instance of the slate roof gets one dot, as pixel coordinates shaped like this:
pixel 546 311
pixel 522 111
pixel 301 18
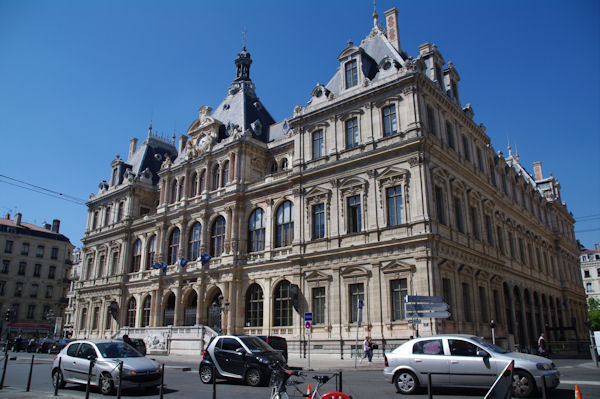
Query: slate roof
pixel 7 225
pixel 145 156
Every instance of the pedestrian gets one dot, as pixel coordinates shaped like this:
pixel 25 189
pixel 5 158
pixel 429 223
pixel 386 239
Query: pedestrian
pixel 18 341
pixel 542 345
pixel 127 340
pixel 367 349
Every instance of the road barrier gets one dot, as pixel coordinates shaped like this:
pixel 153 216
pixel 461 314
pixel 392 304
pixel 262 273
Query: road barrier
pixel 30 371
pixel 4 368
pixel 162 380
pixel 89 379
pixel 120 379
pixel 57 381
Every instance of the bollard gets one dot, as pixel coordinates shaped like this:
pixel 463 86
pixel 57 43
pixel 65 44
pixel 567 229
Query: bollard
pixel 429 389
pixel 341 390
pixel 214 376
pixel 162 380
pixel 87 386
pixel 57 382
pixel 120 379
pixel 30 371
pixel 544 387
pixel 5 361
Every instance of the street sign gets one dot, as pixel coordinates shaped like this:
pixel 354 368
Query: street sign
pixel 414 321
pixel 426 315
pixel 307 325
pixel 424 299
pixel 416 307
pixel 308 316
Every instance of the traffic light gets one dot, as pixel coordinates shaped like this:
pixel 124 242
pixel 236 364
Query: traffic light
pixel 492 324
pixel 7 315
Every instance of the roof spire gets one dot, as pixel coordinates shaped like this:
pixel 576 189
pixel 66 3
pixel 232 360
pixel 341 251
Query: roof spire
pixel 375 16
pixel 377 29
pixel 243 63
pixel 244 38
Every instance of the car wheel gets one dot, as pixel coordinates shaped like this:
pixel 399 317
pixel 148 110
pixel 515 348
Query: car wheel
pixel 406 382
pixel 253 377
pixel 106 384
pixel 57 379
pixel 206 374
pixel 523 384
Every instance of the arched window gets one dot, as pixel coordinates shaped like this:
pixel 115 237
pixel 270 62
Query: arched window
pixel 83 320
pixel 284 164
pixel 173 246
pixel 146 307
pixel 284 231
pixel 173 192
pixel 217 237
pixel 136 257
pixel 254 306
pixel 181 193
pixel 256 227
pixel 169 312
pixel 131 309
pixel 274 167
pixel 225 174
pixel 202 182
pixel 215 177
pixel 194 185
pixel 282 305
pixel 189 309
pixel 151 254
pixel 194 245
pixel 101 265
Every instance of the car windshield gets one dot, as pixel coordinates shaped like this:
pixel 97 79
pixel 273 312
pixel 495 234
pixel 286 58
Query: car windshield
pixel 256 344
pixel 117 349
pixel 488 346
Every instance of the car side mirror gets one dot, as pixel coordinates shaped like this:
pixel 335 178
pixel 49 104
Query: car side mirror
pixel 241 351
pixel 482 353
pixel 91 357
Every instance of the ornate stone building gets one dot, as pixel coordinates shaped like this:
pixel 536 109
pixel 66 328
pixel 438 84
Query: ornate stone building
pixel 381 186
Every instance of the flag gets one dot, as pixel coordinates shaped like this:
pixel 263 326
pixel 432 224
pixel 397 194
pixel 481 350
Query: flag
pixel 160 265
pixel 181 264
pixel 205 258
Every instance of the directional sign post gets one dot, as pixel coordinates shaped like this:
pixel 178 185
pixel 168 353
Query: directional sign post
pixel 308 316
pixel 424 307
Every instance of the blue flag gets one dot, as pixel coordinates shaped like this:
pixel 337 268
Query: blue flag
pixel 181 264
pixel 205 258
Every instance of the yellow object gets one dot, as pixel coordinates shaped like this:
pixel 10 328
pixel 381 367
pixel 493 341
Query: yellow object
pixel 577 392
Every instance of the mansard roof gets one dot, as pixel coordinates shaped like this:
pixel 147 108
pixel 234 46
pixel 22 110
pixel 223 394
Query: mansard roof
pixel 150 155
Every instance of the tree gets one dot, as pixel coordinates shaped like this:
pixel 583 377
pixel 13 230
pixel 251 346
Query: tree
pixel 594 314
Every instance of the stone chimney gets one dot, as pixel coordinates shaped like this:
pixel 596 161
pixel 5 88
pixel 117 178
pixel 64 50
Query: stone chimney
pixel 597 247
pixel 47 226
pixel 55 226
pixel 18 217
pixel 537 171
pixel 391 20
pixel 132 147
pixel 182 142
pixel 7 217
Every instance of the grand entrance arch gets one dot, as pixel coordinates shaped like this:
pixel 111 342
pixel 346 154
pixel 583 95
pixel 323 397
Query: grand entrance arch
pixel 169 312
pixel 189 309
pixel 214 311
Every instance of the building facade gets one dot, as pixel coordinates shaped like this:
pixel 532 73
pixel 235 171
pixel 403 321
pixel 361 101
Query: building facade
pixel 590 271
pixel 383 185
pixel 34 263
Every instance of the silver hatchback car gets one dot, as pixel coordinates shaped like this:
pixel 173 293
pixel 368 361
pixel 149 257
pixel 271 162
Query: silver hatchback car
pixel 463 361
pixel 138 371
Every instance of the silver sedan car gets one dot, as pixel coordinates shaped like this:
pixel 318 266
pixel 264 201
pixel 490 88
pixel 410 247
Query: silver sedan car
pixel 463 361
pixel 138 371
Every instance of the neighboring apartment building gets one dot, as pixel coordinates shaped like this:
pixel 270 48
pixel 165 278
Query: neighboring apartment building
pixel 382 186
pixel 590 271
pixel 34 262
pixel 73 276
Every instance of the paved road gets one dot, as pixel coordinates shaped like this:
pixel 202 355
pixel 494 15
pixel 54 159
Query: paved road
pixel 181 379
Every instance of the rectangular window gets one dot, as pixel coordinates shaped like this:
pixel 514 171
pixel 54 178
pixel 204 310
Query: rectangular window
pixel 431 121
pixel 447 292
pixel 37 270
pixel 483 303
pixel 450 134
pixel 30 312
pixel 49 290
pixel 40 251
pixel 357 293
pixel 22 267
pixel 318 217
pixel 54 253
pixel 399 291
pixel 2 286
pixel 458 213
pixel 318 145
pixel 488 230
pixel 390 125
pixel 493 174
pixel 34 290
pixel 119 211
pixel 466 291
pixel 351 68
pixel 108 320
pixel 8 247
pixel 25 249
pixel 52 269
pixel 439 205
pixel 497 307
pixel 18 289
pixel 586 274
pixel 500 240
pixel 95 317
pixel 352 133
pixel 394 205
pixel 354 214
pixel 466 149
pixel 475 223
pixel 5 265
pixel 588 287
pixel 522 251
pixel 318 305
pixel 479 159
pixel 511 245
pixel 598 272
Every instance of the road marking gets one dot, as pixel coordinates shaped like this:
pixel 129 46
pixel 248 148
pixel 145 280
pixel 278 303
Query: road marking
pixel 572 382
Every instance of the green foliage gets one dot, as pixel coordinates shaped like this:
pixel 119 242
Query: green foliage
pixel 594 313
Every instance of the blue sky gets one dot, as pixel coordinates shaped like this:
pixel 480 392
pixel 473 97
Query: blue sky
pixel 78 79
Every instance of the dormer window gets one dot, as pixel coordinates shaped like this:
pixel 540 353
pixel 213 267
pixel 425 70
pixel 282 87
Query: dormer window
pixel 351 74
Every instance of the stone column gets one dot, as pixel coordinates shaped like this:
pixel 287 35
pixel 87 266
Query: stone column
pixel 178 303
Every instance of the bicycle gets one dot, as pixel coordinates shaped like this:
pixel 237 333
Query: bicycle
pixel 322 380
pixel 279 383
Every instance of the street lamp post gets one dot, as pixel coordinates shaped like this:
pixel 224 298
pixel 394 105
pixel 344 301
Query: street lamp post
pixel 221 307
